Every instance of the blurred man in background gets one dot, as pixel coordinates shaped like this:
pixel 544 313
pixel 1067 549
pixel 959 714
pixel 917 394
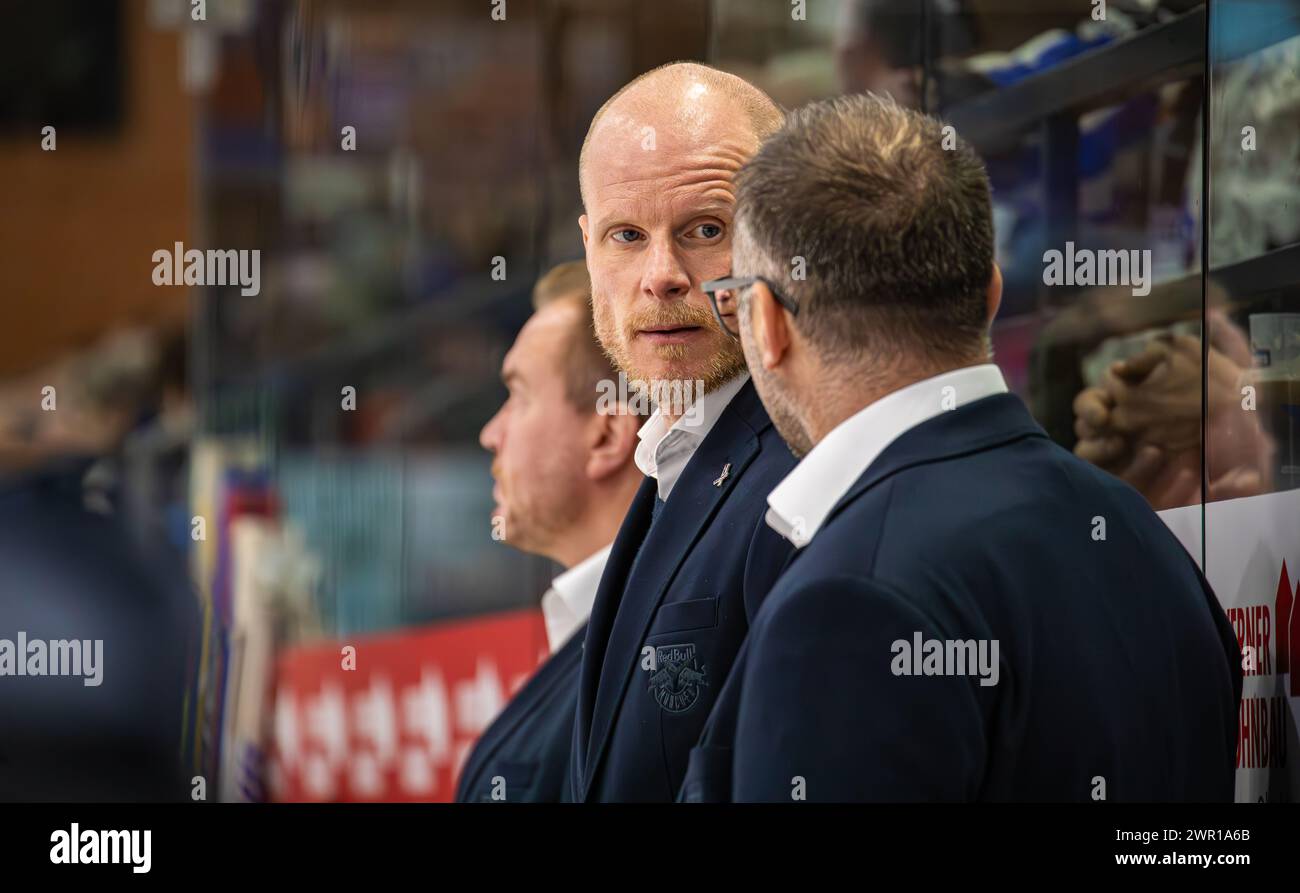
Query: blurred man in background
pixel 564 479
pixel 98 622
pixel 880 46
pixel 974 612
pixel 693 557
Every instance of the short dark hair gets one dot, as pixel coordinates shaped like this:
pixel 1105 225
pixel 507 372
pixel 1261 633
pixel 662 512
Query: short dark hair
pixel 584 362
pixel 892 218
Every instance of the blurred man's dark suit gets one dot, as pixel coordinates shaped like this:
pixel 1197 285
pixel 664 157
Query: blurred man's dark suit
pixel 69 573
pixel 527 746
pixel 683 580
pixel 1117 665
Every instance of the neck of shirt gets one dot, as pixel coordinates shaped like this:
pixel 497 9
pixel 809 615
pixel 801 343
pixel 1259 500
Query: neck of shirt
pixel 664 451
pixel 798 506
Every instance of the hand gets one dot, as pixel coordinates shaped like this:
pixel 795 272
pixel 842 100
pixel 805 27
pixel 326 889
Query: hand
pixel 1099 442
pixel 1144 423
pixel 1155 398
pixel 1156 395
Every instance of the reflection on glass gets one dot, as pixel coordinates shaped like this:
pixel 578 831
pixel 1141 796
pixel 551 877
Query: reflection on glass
pixel 1254 251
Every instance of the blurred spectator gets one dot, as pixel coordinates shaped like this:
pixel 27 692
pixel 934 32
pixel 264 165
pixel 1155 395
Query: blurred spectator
pixel 74 570
pixel 881 46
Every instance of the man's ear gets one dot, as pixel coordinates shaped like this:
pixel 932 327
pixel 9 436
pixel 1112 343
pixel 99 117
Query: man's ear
pixel 611 443
pixel 993 296
pixel 582 225
pixel 770 326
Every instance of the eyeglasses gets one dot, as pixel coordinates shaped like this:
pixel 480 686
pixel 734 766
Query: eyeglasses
pixel 724 295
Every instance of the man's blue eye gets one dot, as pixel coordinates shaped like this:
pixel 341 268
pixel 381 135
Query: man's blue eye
pixel 634 235
pixel 709 230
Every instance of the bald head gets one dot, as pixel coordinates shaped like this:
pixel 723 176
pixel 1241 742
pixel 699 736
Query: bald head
pixel 682 102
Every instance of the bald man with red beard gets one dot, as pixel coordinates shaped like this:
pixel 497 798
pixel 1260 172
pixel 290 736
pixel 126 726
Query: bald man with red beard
pixel 693 558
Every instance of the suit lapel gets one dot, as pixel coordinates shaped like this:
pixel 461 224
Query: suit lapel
pixel 605 607
pixel 695 499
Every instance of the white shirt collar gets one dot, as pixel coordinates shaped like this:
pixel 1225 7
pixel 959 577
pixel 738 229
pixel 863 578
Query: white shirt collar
pixel 567 604
pixel 800 503
pixel 663 452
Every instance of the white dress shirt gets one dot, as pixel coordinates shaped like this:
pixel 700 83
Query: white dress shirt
pixel 800 503
pixel 567 604
pixel 663 452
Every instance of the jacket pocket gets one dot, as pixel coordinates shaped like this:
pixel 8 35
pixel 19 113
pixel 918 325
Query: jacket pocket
pixel 676 617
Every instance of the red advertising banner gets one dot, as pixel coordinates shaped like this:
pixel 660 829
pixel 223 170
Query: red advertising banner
pixel 394 719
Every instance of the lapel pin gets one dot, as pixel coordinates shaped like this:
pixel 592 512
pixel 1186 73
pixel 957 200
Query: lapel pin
pixel 726 470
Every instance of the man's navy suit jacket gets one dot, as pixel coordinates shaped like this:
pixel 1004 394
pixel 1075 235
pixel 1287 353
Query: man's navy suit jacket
pixel 527 745
pixel 1119 675
pixel 662 639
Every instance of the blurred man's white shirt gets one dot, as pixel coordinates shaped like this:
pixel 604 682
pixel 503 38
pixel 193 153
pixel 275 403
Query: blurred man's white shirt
pixel 567 604
pixel 663 452
pixel 800 503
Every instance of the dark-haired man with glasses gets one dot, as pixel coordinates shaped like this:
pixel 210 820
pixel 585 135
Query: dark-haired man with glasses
pixel 973 612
